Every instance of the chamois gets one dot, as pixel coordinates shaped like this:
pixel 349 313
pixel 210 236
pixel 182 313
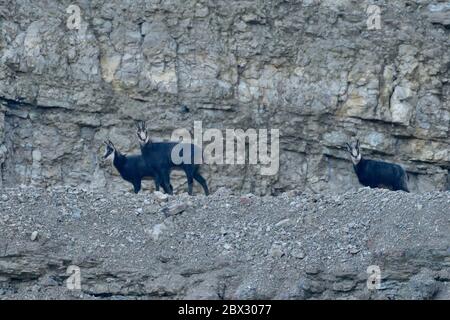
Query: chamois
pixel 377 174
pixel 132 168
pixel 158 156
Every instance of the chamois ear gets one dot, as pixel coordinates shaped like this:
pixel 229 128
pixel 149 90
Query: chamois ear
pixel 357 144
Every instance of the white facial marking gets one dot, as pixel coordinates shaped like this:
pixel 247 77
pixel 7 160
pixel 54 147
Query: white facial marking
pixel 110 156
pixel 143 137
pixel 356 159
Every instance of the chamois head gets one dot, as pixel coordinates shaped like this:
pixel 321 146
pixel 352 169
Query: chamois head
pixel 354 151
pixel 109 149
pixel 142 132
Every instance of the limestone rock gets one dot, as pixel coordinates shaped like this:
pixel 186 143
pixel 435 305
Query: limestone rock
pixel 308 68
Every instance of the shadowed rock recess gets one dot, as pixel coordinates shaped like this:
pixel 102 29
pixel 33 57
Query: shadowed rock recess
pixel 309 68
pixel 293 246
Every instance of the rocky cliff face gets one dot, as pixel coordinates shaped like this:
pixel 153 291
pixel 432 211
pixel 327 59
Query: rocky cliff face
pixel 310 68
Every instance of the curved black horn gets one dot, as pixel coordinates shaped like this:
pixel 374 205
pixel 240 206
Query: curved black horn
pixel 348 147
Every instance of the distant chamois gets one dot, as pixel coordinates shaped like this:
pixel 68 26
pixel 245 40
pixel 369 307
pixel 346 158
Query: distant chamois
pixel 131 168
pixel 377 174
pixel 158 156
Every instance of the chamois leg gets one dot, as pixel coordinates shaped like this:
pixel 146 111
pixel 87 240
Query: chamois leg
pixel 202 182
pixel 400 187
pixel 158 184
pixel 405 183
pixel 137 186
pixel 401 183
pixel 165 182
pixel 190 181
pixel 189 170
pixel 403 186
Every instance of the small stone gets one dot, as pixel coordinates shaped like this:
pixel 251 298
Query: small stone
pixel 223 231
pixel 227 246
pixel 283 222
pixel 443 275
pixel 174 209
pixel 344 286
pixel 336 199
pixel 298 253
pixel 151 209
pixel 35 288
pixel 354 250
pixel 48 281
pixel 312 270
pixel 201 12
pixel 245 200
pixel 222 192
pixel 156 231
pixel 161 197
pixel 164 258
pixel 36 155
pixel 34 235
pixel 76 213
pixel 276 251
pixel 4 197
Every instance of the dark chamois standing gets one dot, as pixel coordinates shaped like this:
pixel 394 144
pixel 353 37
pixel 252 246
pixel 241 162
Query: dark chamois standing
pixel 132 168
pixel 158 156
pixel 377 174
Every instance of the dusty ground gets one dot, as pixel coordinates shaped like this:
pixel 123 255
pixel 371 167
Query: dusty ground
pixel 296 246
